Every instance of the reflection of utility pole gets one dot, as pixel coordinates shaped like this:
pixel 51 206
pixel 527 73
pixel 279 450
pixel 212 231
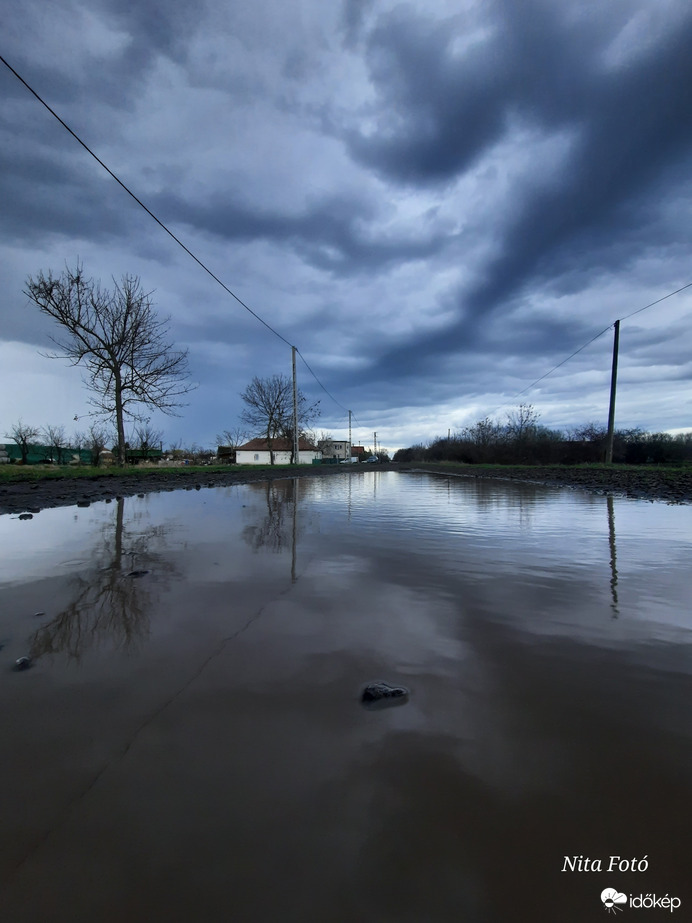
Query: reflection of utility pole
pixel 613 383
pixel 296 443
pixel 295 527
pixel 613 557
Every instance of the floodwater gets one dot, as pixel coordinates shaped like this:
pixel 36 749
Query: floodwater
pixel 189 743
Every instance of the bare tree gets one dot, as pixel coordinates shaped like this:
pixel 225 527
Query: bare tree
pixel 23 434
pixel 269 409
pixel 232 438
pixel 148 438
pixel 522 422
pixel 118 338
pixel 95 441
pixel 588 432
pixel 56 441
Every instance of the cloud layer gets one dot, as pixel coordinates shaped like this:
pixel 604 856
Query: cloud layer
pixel 435 202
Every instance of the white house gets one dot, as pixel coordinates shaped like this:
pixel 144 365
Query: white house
pixel 256 452
pixel 335 448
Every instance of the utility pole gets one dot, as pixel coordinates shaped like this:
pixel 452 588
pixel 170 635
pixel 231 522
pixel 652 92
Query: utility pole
pixel 613 384
pixel 374 435
pixel 349 436
pixel 296 443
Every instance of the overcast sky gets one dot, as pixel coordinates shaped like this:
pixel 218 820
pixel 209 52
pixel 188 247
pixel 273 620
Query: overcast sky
pixel 435 201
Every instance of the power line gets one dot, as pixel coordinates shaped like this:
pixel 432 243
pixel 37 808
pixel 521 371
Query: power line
pixel 658 301
pixel 166 229
pixel 319 382
pixel 589 342
pixel 571 356
pixel 141 204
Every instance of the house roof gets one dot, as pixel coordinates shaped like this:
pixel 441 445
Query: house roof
pixel 278 445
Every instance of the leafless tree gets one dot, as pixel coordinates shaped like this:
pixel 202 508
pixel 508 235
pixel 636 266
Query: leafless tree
pixel 56 441
pixel 118 339
pixel 147 438
pixel 23 435
pixel 95 441
pixel 232 438
pixel 522 422
pixel 269 409
pixel 588 432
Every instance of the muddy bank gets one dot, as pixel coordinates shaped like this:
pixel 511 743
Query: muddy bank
pixel 34 496
pixel 671 486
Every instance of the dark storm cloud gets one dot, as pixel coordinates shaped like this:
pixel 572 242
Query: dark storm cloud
pixel 630 125
pixel 353 15
pixel 45 195
pixel 330 234
pixel 141 33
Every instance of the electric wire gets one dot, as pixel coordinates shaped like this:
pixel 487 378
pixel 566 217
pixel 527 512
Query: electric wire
pixel 141 204
pixel 555 367
pixel 589 342
pixel 319 382
pixel 658 301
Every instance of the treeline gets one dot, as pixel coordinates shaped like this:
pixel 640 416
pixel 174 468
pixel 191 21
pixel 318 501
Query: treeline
pixel 522 440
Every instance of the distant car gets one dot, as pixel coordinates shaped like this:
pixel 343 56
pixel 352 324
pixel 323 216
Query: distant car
pixel 373 460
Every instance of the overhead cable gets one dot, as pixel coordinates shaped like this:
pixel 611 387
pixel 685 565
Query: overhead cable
pixel 141 204
pixel 589 342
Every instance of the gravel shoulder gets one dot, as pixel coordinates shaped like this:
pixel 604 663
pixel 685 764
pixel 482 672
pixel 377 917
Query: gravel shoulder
pixel 667 485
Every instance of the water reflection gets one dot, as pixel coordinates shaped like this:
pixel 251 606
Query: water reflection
pixel 248 782
pixel 278 529
pixel 613 556
pixel 112 601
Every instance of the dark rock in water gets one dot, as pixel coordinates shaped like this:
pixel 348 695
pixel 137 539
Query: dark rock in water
pixel 23 663
pixel 26 516
pixel 382 695
pixel 83 503
pixel 137 573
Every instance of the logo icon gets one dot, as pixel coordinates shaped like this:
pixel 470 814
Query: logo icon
pixel 611 898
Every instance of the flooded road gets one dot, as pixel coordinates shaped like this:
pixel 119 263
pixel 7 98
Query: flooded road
pixel 188 741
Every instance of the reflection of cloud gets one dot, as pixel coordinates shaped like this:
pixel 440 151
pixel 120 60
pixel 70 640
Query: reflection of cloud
pixel 108 603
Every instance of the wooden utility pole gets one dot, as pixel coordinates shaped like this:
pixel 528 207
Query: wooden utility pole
pixel 613 385
pixel 374 435
pixel 296 442
pixel 349 436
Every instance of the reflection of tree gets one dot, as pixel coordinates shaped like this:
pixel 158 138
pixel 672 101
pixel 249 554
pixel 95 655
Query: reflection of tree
pixel 274 531
pixel 108 603
pixel 278 530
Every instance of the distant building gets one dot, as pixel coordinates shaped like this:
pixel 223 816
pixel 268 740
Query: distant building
pixel 226 454
pixel 357 451
pixel 257 452
pixel 334 448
